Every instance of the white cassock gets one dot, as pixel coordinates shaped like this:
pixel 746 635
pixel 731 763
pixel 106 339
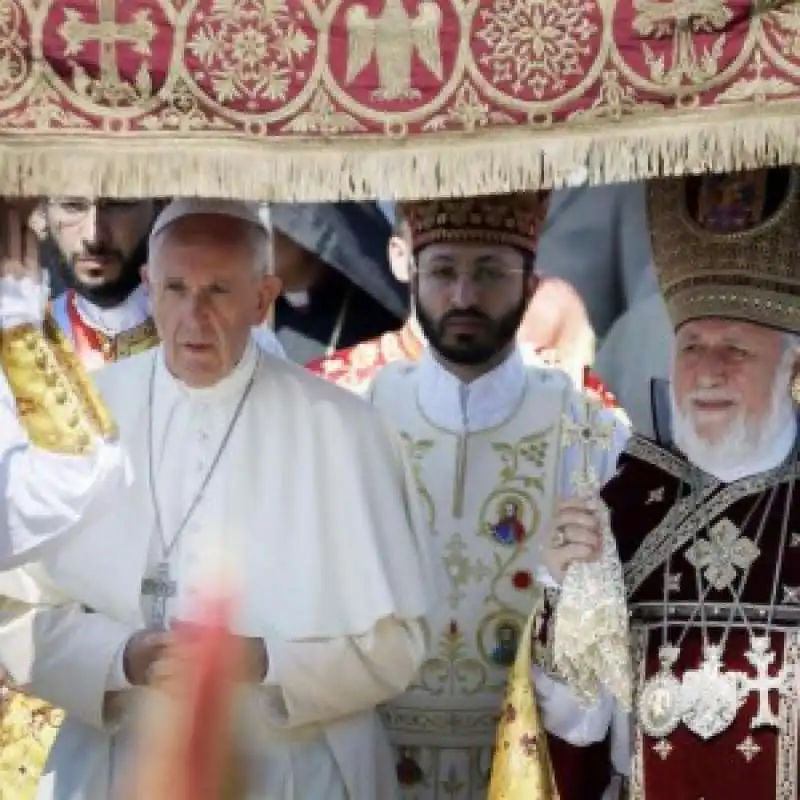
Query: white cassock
pixel 314 498
pixel 489 461
pixel 42 494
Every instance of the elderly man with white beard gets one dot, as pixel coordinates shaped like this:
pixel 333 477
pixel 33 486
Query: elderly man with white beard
pixel 706 518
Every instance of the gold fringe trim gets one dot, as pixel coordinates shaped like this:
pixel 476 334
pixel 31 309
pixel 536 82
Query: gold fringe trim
pixel 346 168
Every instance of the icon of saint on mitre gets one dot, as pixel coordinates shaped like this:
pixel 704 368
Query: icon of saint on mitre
pixel 732 202
pixel 506 642
pixel 509 528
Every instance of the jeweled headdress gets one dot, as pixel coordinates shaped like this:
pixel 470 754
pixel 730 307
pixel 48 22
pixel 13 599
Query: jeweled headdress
pixel 512 219
pixel 729 246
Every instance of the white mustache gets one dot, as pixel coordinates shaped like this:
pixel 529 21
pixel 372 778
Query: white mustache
pixel 713 396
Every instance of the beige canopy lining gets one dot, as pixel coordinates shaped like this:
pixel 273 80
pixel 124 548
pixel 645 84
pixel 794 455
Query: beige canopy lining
pixel 318 171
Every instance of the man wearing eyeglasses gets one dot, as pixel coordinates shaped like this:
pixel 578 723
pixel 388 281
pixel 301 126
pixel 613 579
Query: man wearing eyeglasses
pixel 483 428
pixel 95 251
pixel 555 331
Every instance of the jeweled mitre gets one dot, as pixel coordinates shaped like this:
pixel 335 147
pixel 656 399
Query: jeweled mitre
pixel 729 246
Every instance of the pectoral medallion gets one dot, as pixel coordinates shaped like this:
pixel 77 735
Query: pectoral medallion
pixel 660 701
pixel 710 697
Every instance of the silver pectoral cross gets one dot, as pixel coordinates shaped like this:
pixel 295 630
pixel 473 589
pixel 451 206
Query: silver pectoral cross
pixel 160 587
pixel 761 657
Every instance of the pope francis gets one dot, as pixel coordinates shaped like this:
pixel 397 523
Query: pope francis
pixel 235 456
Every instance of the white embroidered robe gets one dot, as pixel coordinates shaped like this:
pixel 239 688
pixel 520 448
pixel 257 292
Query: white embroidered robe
pixel 488 458
pixel 314 497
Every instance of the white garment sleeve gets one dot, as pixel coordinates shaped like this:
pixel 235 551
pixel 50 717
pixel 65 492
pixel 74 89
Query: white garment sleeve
pixel 319 681
pixel 61 654
pixel 42 494
pixel 565 718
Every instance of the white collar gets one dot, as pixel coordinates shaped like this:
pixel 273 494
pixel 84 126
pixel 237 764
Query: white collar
pixel 468 407
pixel 230 387
pixel 132 311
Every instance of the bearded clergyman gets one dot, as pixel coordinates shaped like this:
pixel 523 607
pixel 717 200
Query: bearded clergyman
pixel 707 516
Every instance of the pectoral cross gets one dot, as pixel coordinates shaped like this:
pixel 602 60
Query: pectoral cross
pixel 160 587
pixel 761 657
pixel 587 433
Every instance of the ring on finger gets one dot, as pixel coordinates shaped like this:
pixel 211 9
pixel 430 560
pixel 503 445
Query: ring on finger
pixel 560 537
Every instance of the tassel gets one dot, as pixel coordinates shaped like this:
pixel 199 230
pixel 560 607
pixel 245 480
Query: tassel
pixel 521 768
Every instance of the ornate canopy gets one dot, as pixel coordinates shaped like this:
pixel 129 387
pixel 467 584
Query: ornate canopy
pixel 333 99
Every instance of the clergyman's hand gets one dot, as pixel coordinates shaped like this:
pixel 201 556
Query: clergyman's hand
pixel 19 244
pixel 142 652
pixel 252 661
pixel 576 534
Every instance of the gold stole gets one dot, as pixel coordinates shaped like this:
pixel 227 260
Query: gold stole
pixel 57 404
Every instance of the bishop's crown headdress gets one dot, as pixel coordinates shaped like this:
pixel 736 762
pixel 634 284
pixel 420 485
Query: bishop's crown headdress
pixel 511 219
pixel 729 246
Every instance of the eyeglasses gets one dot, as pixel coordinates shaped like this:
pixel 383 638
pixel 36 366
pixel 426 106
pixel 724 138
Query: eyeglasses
pixel 482 277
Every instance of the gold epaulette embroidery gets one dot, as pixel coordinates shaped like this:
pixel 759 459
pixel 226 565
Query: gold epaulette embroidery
pixel 134 341
pixel 58 406
pixel 92 404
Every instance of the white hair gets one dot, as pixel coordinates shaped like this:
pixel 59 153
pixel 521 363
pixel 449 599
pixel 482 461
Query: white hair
pixel 791 344
pixel 747 440
pixel 258 241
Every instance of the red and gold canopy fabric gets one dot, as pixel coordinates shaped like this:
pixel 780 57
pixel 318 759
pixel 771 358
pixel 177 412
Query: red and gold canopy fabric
pixel 334 99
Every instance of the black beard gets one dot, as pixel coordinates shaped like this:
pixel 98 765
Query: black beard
pixel 501 332
pixel 106 295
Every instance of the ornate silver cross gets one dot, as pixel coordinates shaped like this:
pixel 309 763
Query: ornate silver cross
pixel 586 433
pixel 761 657
pixel 161 588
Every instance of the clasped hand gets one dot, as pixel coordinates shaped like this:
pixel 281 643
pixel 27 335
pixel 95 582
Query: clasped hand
pixel 152 658
pixel 576 534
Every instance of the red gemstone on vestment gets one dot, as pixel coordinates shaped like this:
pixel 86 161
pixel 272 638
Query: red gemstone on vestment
pixel 522 579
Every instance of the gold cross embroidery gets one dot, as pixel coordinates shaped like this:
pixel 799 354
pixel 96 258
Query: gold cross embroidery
pixel 108 33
